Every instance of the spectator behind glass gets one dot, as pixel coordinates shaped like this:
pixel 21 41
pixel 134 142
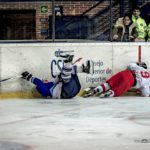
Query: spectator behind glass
pixel 124 30
pixel 141 24
pixel 148 28
pixel 148 33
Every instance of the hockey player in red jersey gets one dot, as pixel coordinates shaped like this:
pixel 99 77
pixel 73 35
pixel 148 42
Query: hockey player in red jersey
pixel 135 76
pixel 142 77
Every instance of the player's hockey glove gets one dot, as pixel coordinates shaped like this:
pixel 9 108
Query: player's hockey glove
pixel 26 75
pixel 142 64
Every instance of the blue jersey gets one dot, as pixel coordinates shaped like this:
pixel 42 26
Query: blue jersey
pixel 60 89
pixel 72 88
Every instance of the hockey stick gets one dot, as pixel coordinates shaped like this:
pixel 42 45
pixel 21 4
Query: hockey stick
pixel 11 78
pixel 77 60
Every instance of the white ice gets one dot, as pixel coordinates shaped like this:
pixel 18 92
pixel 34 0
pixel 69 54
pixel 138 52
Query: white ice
pixel 77 124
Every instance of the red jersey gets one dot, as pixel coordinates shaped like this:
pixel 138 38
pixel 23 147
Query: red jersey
pixel 121 82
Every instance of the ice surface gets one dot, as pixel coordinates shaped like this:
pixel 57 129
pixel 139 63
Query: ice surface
pixel 77 124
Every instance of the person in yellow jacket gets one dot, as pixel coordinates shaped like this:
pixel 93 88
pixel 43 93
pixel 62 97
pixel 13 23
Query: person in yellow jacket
pixel 141 24
pixel 148 33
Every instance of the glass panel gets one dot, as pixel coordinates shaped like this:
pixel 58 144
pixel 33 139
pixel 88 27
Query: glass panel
pixel 74 19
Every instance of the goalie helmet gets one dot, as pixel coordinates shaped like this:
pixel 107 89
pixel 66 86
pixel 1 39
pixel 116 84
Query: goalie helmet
pixel 142 64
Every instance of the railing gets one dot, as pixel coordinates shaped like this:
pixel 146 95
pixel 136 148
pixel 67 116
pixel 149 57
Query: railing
pixel 86 26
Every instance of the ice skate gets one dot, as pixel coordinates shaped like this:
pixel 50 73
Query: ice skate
pixel 89 67
pixel 68 58
pixel 67 55
pixel 109 93
pixel 89 92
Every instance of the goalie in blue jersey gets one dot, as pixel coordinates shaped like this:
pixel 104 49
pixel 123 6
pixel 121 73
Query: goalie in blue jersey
pixel 67 84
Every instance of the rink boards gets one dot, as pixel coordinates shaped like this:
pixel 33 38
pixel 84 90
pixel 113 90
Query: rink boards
pixel 40 59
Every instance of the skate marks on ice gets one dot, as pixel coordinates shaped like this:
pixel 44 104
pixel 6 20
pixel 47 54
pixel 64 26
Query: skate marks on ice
pixel 60 102
pixel 141 119
pixel 98 123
